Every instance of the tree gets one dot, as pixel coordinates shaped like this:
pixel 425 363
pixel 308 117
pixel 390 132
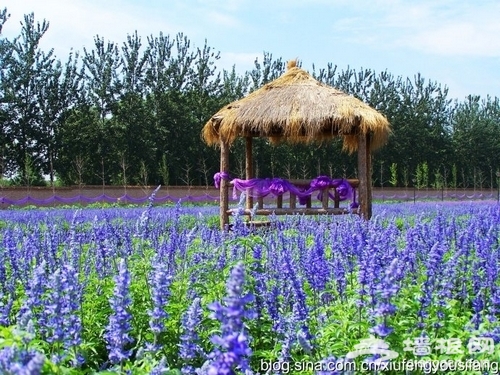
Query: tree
pixel 167 74
pixel 394 175
pixel 132 122
pixel 419 117
pixel 22 85
pixel 5 59
pixel 476 132
pixel 269 70
pixel 57 96
pixel 203 95
pixel 101 90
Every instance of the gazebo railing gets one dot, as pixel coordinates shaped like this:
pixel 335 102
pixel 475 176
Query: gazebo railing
pixel 299 192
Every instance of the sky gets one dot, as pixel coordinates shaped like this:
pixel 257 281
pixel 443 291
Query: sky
pixel 455 43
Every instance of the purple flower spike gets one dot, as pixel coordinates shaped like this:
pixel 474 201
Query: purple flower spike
pixel 14 360
pixel 160 284
pixel 233 349
pixel 190 348
pixel 117 331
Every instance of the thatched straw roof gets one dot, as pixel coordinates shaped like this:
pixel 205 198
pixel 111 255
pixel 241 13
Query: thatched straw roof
pixel 297 108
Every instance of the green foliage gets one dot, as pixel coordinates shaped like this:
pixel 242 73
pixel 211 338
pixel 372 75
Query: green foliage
pixel 439 181
pixel 422 176
pixel 454 176
pixel 5 183
pixel 406 177
pixel 394 175
pixel 164 172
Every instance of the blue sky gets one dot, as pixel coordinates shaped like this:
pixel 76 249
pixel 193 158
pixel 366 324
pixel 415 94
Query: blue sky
pixel 456 43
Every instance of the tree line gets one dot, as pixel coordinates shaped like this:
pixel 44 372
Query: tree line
pixel 132 114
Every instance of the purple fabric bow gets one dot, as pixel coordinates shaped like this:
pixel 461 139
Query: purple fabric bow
pixel 260 188
pixel 342 186
pixel 218 177
pixel 278 186
pixel 321 182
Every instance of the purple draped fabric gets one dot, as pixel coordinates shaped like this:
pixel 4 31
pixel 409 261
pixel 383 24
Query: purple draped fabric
pixel 219 176
pixel 262 187
pixel 343 188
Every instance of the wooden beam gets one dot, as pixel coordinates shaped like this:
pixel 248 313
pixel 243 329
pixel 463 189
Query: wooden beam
pixel 224 185
pixel 248 168
pixel 365 176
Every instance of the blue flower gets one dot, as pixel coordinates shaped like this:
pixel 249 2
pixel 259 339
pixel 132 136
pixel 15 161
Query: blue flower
pixel 71 293
pixel 304 340
pixel 160 284
pixel 386 290
pixel 34 293
pixel 233 345
pixel 317 270
pixel 6 302
pixel 161 368
pixel 142 227
pixel 190 348
pixel 14 360
pixel 119 327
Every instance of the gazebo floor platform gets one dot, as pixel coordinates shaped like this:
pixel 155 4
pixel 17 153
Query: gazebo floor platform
pixel 291 211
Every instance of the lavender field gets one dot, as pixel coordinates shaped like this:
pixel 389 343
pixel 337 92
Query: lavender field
pixel 161 290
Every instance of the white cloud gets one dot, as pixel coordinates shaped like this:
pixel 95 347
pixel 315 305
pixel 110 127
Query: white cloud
pixel 243 61
pixel 456 29
pixel 450 28
pixel 227 6
pixel 222 19
pixel 459 39
pixel 74 24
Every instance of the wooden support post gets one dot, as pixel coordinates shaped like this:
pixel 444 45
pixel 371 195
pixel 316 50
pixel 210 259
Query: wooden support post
pixel 224 185
pixel 248 168
pixel 308 202
pixel 279 201
pixel 365 176
pixel 293 200
pixel 324 199
pixel 260 202
pixel 337 199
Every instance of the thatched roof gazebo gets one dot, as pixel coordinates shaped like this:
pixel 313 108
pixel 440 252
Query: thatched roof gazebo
pixel 297 108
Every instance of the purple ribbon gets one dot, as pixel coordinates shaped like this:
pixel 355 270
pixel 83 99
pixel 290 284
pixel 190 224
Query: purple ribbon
pixel 219 176
pixel 262 187
pixel 342 186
